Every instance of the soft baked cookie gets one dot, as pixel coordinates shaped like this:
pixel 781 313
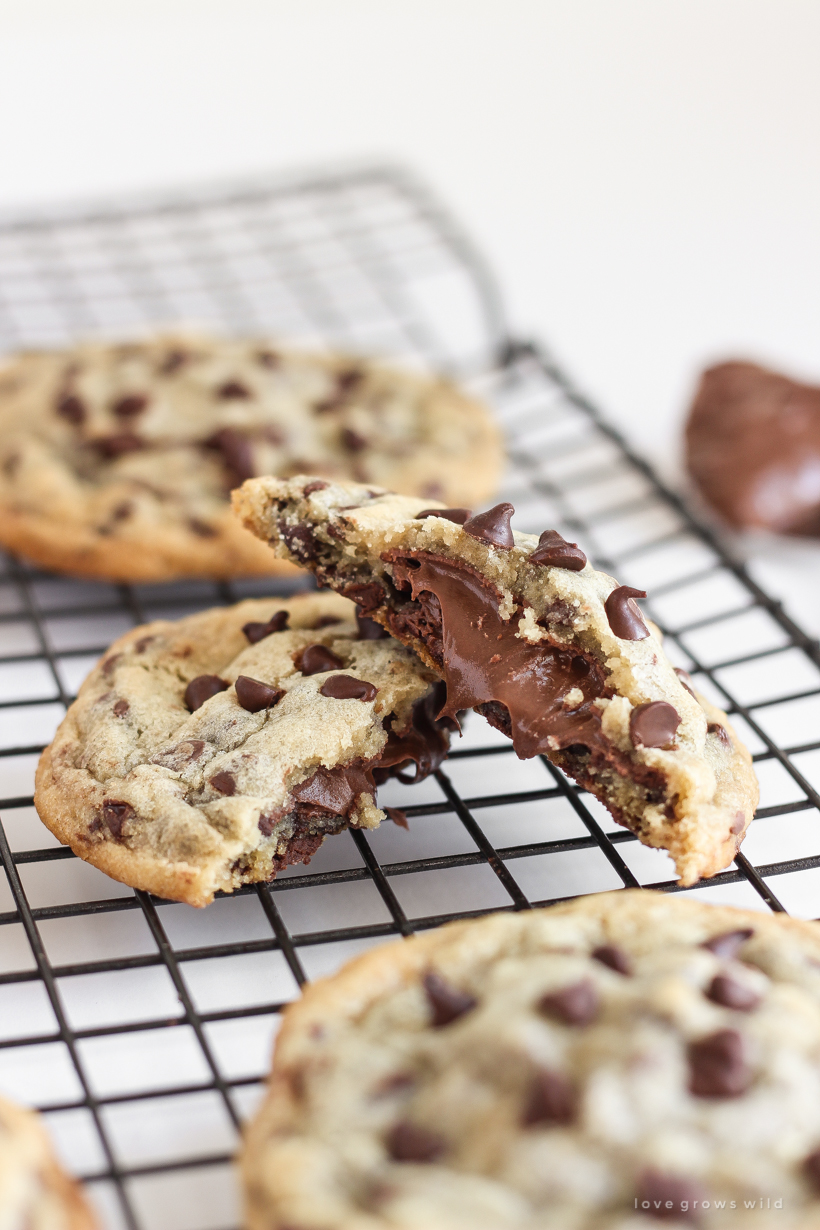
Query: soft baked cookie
pixel 753 448
pixel 116 460
pixel 625 1057
pixel 551 652
pixel 213 752
pixel 35 1192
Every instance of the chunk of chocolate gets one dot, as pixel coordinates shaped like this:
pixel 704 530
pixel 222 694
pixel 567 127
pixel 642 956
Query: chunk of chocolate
pixel 254 695
pixel 720 732
pixel 233 390
pixel 71 408
pixel 577 1004
pixel 299 540
pixel 653 724
pixel 407 1142
pixel 729 993
pixel 685 679
pixel 256 631
pixel 669 1197
pixel 446 1002
pixel 335 790
pixel 457 515
pixel 203 688
pixel 346 687
pixel 718 1067
pixel 369 630
pixel 115 446
pixel 120 709
pixel 224 782
pixel 739 823
pixel 130 406
pixel 318 484
pixel 614 957
pixel 624 615
pixel 493 527
pixel 116 814
pixel 352 441
pixel 551 1099
pixel 811 1169
pixel 728 943
pixel 318 658
pixel 553 551
pixel 235 451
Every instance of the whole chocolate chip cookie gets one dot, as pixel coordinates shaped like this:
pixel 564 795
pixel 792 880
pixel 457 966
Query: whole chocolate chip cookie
pixel 35 1191
pixel 116 460
pixel 213 752
pixel 551 652
pixel 626 1059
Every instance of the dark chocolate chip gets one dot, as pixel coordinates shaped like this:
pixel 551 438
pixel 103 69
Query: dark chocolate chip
pixel 203 688
pixel 551 1100
pixel 668 1197
pixel 299 541
pixel 728 943
pixel 121 708
pixel 129 407
pixel 172 362
pixel 407 1142
pixel 224 782
pixel 201 528
pixel 614 957
pixel 352 441
pixel 577 1004
pixel 718 1067
pixel 72 408
pixel 116 814
pixel 811 1169
pixel 446 1001
pixel 653 724
pixel 685 679
pixel 318 484
pixel 457 515
pixel 720 732
pixel 493 526
pixel 623 613
pixel 398 817
pixel 318 658
pixel 553 551
pixel 235 450
pixel 345 687
pixel 724 990
pixel 256 632
pixel 369 630
pixel 739 823
pixel 254 695
pixel 116 446
pixel 233 390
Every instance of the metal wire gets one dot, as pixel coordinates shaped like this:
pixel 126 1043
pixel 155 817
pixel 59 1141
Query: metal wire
pixel 141 1028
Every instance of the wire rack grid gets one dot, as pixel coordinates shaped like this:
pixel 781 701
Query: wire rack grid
pixel 142 1028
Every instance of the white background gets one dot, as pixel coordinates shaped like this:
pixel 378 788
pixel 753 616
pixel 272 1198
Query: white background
pixel 644 175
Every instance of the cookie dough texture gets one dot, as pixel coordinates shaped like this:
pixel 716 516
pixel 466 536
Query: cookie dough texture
pixel 35 1192
pixel 540 1106
pixel 116 460
pixel 183 803
pixel 694 797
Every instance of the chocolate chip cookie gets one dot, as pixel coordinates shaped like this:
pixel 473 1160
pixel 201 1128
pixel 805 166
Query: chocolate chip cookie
pixel 116 460
pixel 35 1192
pixel 213 752
pixel 551 652
pixel 625 1059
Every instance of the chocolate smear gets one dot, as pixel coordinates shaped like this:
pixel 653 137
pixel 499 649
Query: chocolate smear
pixel 446 1002
pixel 493 527
pixel 235 451
pixel 335 790
pixel 718 1067
pixel 729 993
pixel 115 815
pixel 624 615
pixel 577 1004
pixel 130 406
pixel 457 515
pixel 203 688
pixel 653 724
pixel 346 687
pixel 669 1197
pixel 233 390
pixel 551 1100
pixel 553 551
pixel 318 658
pixel 739 823
pixel 256 631
pixel 115 446
pixel 71 408
pixel 254 695
pixel 614 957
pixel 369 630
pixel 224 782
pixel 407 1142
pixel 728 943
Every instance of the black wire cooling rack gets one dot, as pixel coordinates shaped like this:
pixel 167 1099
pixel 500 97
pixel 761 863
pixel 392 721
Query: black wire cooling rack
pixel 142 1028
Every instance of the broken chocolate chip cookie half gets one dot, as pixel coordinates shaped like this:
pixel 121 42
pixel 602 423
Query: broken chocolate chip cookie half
pixel 627 1059
pixel 523 629
pixel 213 752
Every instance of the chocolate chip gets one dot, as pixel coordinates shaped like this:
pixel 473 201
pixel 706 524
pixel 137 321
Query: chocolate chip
pixel 728 943
pixel 233 390
pixel 268 358
pixel 130 406
pixel 724 990
pixel 553 551
pixel 266 825
pixel 668 1197
pixel 72 408
pixel 446 1001
pixel 254 695
pixel 108 664
pixel 739 823
pixel 398 817
pixel 180 754
pixel 327 621
pixel 345 687
pixel 236 452
pixel 201 528
pixel 811 1169
pixel 369 630
pixel 318 484
pixel 117 445
pixel 720 732
pixel 142 644
pixel 623 613
pixel 577 1004
pixel 224 782
pixel 407 1142
pixel 122 511
pixel 614 957
pixel 686 680
pixel 551 1100
pixel 347 380
pixel 352 441
pixel 203 688
pixel 457 515
pixel 653 724
pixel 256 632
pixel 369 597
pixel 299 541
pixel 493 526
pixel 173 360
pixel 121 708
pixel 318 658
pixel 115 815
pixel 717 1066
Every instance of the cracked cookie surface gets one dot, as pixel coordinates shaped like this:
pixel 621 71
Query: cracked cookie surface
pixel 35 1192
pixel 116 459
pixel 552 652
pixel 214 751
pixel 608 1064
